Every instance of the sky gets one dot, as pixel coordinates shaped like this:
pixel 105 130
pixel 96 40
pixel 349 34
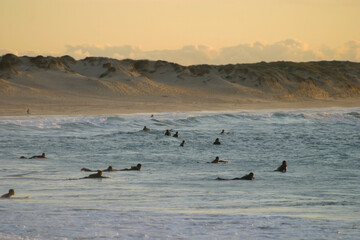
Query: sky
pixel 184 31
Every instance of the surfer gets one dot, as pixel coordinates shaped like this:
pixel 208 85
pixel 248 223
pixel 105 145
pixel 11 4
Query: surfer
pixel 133 168
pixel 167 133
pixel 250 176
pixel 223 132
pixel 96 175
pixel 217 160
pixel 87 170
pixel 38 156
pixel 110 169
pixel 176 134
pixel 9 194
pixel 182 143
pixel 22 157
pixel 146 128
pixel 282 168
pixel 217 141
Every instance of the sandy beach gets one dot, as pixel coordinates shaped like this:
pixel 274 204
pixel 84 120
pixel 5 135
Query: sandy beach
pixel 17 106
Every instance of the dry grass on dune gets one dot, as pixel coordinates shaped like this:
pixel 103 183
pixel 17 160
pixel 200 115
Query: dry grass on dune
pixel 55 85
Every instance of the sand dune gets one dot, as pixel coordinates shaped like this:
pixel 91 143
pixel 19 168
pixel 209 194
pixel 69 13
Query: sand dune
pixel 63 85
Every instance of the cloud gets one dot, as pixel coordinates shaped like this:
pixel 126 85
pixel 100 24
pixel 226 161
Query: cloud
pixel 6 51
pixel 86 50
pixel 30 52
pixel 287 50
pixel 350 51
pixel 192 54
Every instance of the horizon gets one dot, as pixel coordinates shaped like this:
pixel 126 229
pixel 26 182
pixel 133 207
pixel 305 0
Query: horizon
pixel 186 32
pixel 185 65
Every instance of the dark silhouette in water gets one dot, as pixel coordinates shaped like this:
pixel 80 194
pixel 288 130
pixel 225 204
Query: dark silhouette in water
pixel 223 132
pixel 217 160
pixel 217 141
pixel 250 176
pixel 282 168
pixel 23 157
pixel 96 175
pixel 109 169
pixel 87 170
pixel 146 128
pixel 38 156
pixel 9 194
pixel 133 168
pixel 176 134
pixel 182 143
pixel 167 133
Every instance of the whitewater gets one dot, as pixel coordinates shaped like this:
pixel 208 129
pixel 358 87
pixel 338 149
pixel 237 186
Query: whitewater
pixel 175 195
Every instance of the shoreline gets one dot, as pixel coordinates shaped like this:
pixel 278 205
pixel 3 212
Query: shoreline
pixel 158 105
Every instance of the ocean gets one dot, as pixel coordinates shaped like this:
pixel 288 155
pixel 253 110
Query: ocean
pixel 175 195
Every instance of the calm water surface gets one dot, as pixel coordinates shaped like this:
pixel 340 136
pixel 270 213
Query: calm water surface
pixel 175 195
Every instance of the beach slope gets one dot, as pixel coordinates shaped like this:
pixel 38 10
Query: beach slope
pixel 97 85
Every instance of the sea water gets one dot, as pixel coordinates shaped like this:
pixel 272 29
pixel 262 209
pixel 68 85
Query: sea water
pixel 175 195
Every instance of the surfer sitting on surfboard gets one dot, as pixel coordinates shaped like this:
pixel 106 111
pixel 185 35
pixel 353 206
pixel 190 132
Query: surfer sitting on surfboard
pixel 9 194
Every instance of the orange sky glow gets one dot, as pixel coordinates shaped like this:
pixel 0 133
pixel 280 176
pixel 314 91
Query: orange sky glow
pixel 185 31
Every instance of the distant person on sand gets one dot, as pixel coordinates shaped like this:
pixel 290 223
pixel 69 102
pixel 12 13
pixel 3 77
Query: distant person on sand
pixel 176 134
pixel 146 128
pixel 167 133
pixel 28 111
pixel 9 194
pixel 38 156
pixel 96 175
pixel 250 176
pixel 282 168
pixel 217 141
pixel 217 160
pixel 182 144
pixel 133 168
